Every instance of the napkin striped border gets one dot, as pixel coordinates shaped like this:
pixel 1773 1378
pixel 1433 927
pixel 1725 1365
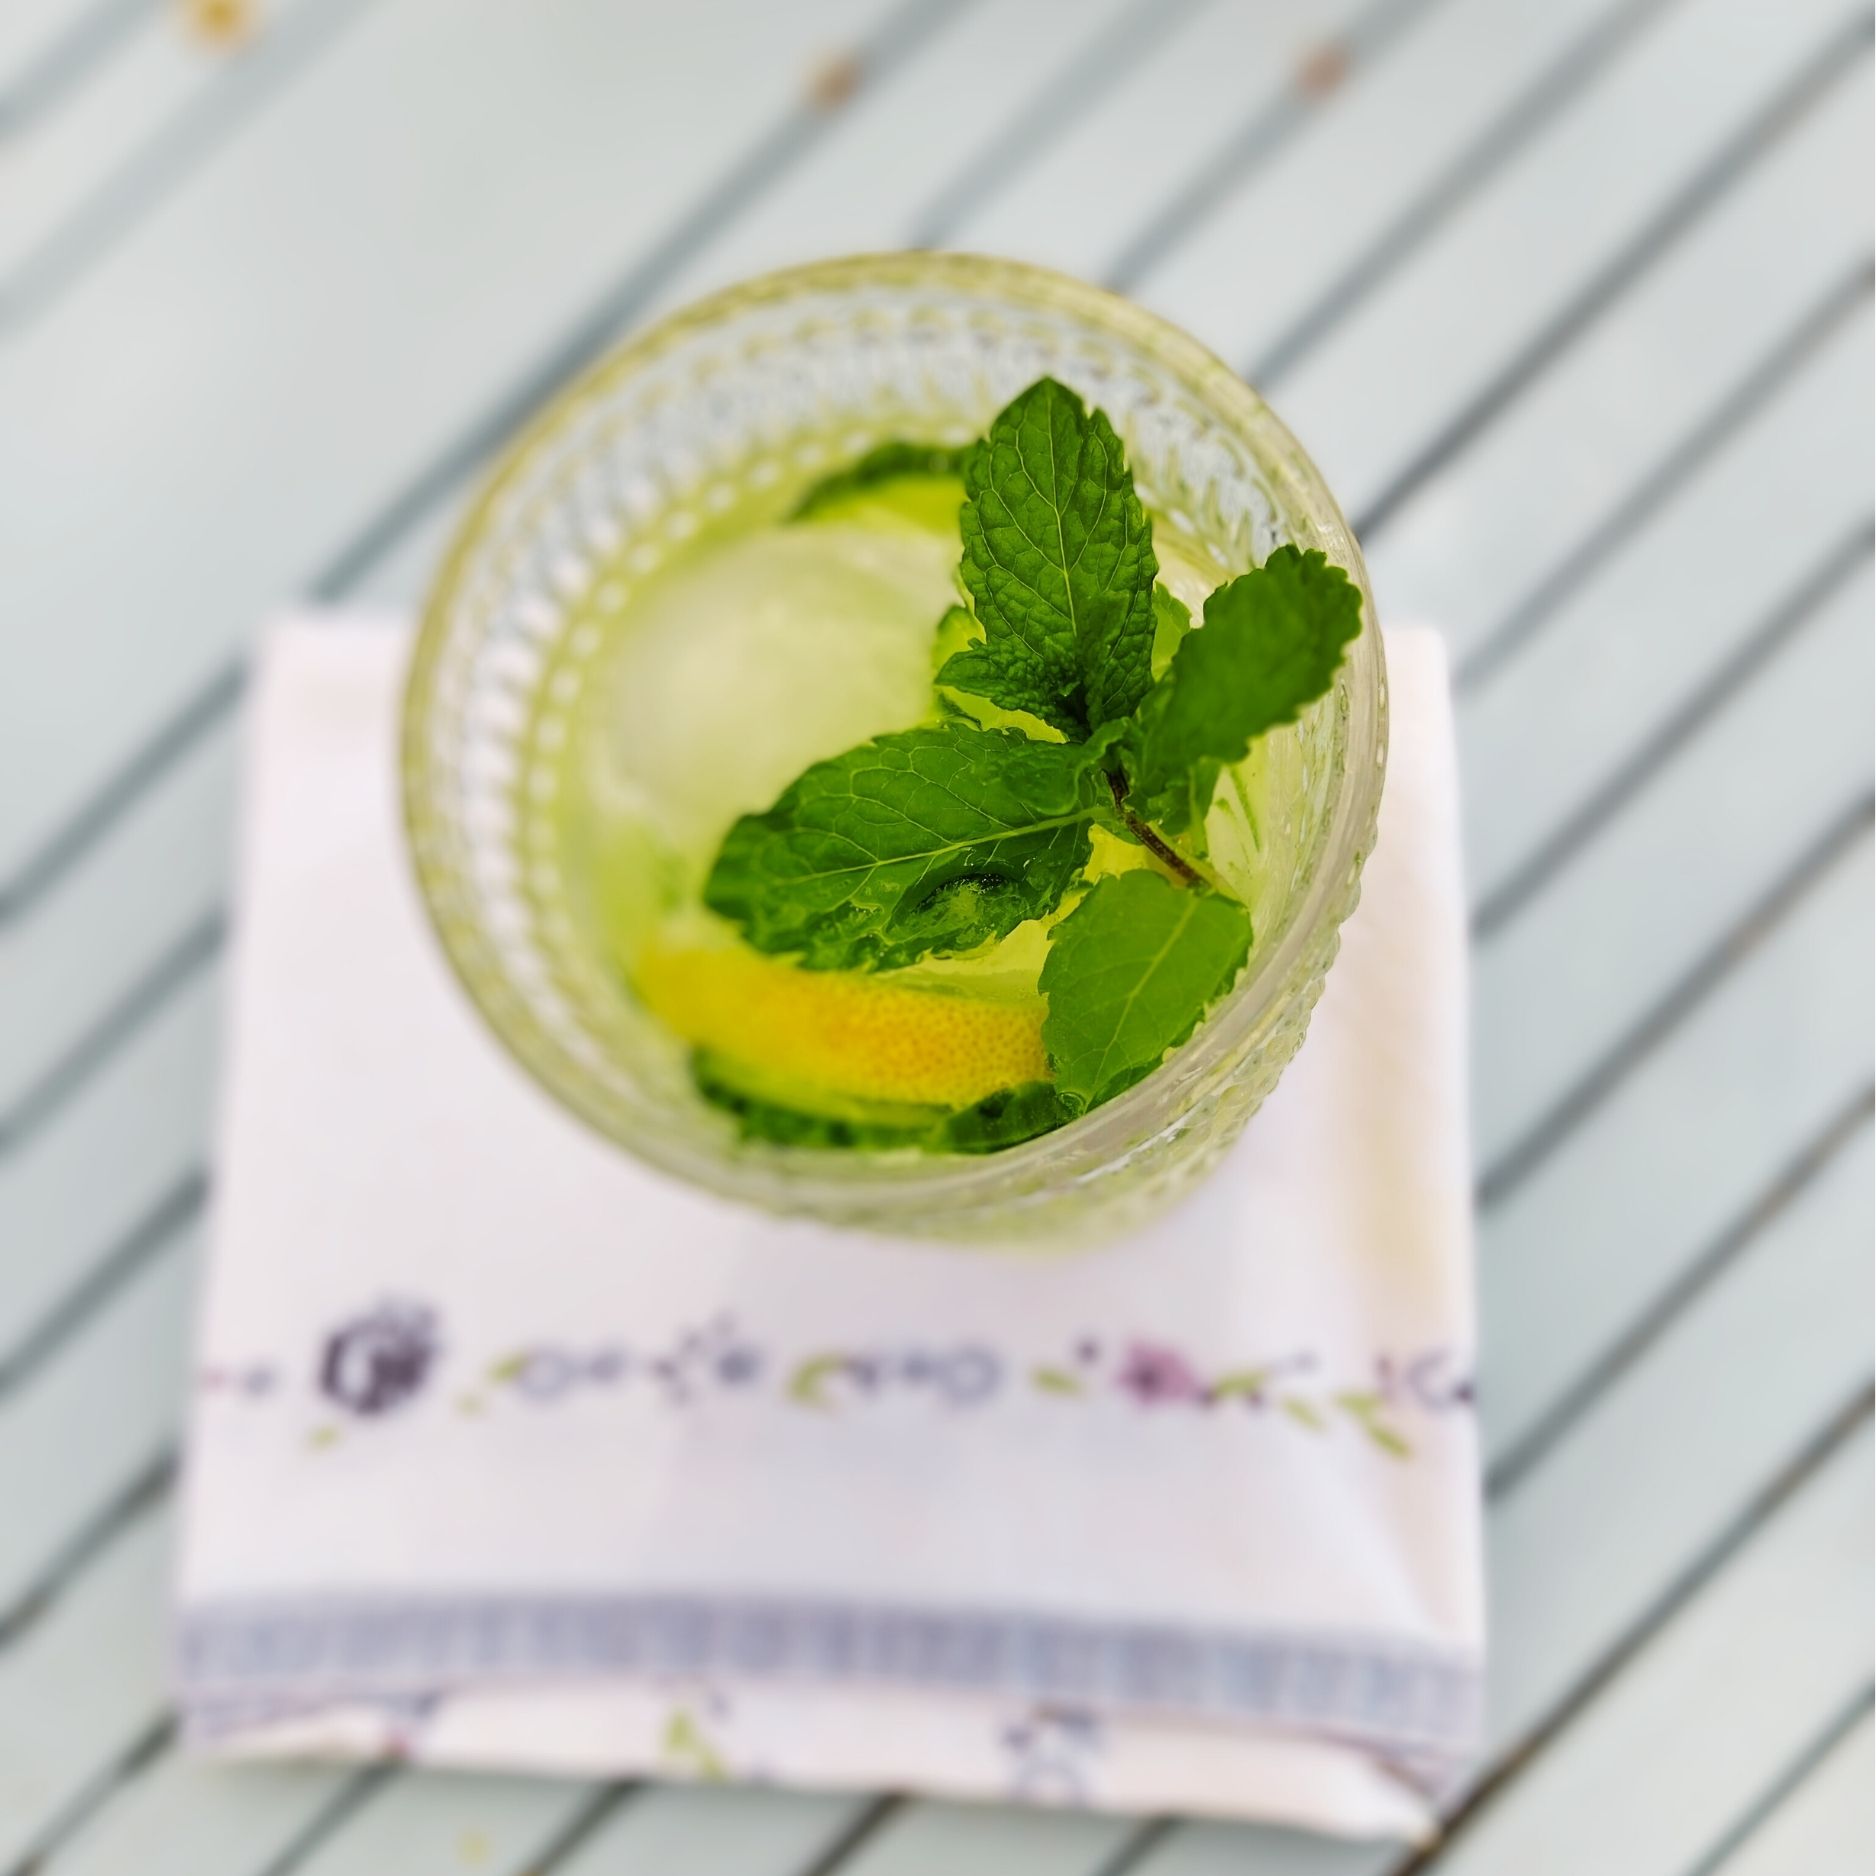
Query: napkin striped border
pixel 1381 1689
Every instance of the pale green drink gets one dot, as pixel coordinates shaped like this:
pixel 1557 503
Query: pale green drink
pixel 765 644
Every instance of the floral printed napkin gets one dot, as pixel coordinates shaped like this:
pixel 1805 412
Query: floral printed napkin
pixel 508 1451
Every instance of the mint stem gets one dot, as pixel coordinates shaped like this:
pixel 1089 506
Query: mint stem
pixel 1187 872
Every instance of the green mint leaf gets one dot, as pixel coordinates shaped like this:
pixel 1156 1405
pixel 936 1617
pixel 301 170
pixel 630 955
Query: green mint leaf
pixel 931 841
pixel 1270 644
pixel 897 461
pixel 1007 1118
pixel 1058 561
pixel 959 631
pixel 1129 974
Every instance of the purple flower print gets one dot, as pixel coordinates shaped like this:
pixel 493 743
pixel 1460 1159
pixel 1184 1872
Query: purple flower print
pixel 1429 1382
pixel 258 1381
pixel 739 1365
pixel 968 1374
pixel 1050 1754
pixel 606 1367
pixel 377 1362
pixel 547 1373
pixel 1153 1373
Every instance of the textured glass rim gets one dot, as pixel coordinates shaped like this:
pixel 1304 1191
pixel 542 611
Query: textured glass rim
pixel 806 1181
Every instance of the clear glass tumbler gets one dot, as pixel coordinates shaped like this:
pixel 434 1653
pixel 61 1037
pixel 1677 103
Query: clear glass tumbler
pixel 741 401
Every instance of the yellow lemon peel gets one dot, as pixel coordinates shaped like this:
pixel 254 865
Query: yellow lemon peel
pixel 853 1035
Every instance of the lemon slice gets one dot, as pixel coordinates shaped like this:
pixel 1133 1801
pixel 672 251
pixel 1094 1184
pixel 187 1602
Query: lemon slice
pixel 850 1035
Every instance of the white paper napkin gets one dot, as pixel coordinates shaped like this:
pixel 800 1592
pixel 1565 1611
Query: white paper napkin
pixel 508 1451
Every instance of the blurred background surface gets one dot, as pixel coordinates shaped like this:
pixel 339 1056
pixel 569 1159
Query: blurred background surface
pixel 1571 301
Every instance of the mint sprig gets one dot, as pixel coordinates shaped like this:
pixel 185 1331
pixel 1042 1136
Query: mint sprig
pixel 1129 974
pixel 1058 561
pixel 934 840
pixel 941 840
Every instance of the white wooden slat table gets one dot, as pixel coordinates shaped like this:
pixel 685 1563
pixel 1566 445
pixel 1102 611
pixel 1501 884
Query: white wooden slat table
pixel 151 114
pixel 1572 300
pixel 47 47
pixel 1819 1821
pixel 1790 1617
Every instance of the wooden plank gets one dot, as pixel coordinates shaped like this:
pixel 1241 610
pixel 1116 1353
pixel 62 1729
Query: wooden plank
pixel 154 879
pixel 705 1830
pixel 28 28
pixel 865 186
pixel 78 1189
pixel 467 118
pixel 433 1821
pixel 1538 231
pixel 80 1688
pixel 933 1839
pixel 1593 1539
pixel 1650 1773
pixel 38 34
pixel 1677 1158
pixel 1234 57
pixel 157 71
pixel 1664 612
pixel 1474 538
pixel 1822 1828
pixel 154 109
pixel 1107 175
pixel 401 578
pixel 83 1427
pixel 1676 1446
pixel 1682 862
pixel 901 144
pixel 233 1821
pixel 1274 246
pixel 182 1817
